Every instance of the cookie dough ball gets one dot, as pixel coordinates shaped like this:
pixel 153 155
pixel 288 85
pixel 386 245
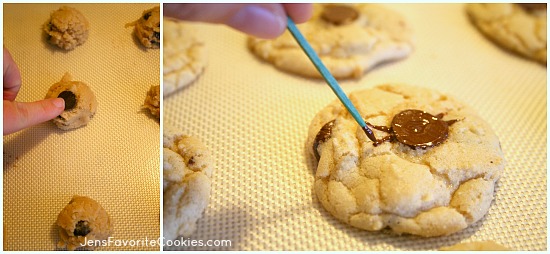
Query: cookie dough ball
pixel 147 28
pixel 520 28
pixel 80 103
pixel 82 220
pixel 67 28
pixel 430 190
pixel 350 39
pixel 476 246
pixel 184 56
pixel 187 169
pixel 152 101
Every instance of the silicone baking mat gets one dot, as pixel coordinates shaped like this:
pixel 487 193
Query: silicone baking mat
pixel 114 159
pixel 254 119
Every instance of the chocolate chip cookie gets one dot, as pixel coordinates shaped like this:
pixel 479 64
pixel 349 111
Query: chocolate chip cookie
pixel 147 28
pixel 431 172
pixel 350 39
pixel 187 169
pixel 80 102
pixel 82 221
pixel 67 28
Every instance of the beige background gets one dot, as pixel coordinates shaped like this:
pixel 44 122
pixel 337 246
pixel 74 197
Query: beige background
pixel 114 159
pixel 254 118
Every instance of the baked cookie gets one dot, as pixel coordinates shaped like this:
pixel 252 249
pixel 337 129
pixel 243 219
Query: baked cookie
pixel 187 169
pixel 80 102
pixel 474 246
pixel 81 222
pixel 152 101
pixel 67 28
pixel 350 39
pixel 184 56
pixel 432 171
pixel 520 28
pixel 147 28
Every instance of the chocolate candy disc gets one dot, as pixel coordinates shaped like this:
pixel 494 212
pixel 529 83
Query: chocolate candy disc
pixel 417 128
pixel 339 14
pixel 69 98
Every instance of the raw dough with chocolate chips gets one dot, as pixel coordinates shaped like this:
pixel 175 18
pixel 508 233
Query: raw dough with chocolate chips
pixel 187 169
pixel 152 101
pixel 476 246
pixel 350 39
pixel 434 191
pixel 67 28
pixel 81 221
pixel 80 103
pixel 147 28
pixel 184 56
pixel 520 28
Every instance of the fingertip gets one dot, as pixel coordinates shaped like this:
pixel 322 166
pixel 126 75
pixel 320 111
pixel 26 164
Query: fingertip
pixel 59 103
pixel 299 13
pixel 266 24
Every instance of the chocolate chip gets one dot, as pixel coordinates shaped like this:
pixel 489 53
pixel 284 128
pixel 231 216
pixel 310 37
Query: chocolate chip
pixel 81 228
pixel 147 15
pixel 323 135
pixel 69 98
pixel 339 14
pixel 156 35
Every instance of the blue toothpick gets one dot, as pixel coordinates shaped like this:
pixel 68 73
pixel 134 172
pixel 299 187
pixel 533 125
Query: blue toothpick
pixel 331 81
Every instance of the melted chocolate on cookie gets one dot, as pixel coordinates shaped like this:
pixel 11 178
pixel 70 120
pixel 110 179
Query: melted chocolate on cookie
pixel 416 129
pixel 339 14
pixel 322 136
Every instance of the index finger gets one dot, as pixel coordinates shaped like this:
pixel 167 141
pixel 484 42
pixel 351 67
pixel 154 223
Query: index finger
pixel 12 77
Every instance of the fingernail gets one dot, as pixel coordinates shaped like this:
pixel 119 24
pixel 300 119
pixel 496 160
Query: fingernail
pixel 58 102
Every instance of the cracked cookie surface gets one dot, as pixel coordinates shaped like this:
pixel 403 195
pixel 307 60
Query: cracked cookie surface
pixel 428 192
pixel 184 56
pixel 187 169
pixel 520 28
pixel 350 40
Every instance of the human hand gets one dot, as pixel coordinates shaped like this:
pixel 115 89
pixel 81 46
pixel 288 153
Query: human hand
pixel 20 115
pixel 262 20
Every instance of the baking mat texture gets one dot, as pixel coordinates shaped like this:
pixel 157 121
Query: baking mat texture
pixel 255 118
pixel 113 160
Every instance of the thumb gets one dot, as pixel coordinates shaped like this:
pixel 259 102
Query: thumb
pixel 20 115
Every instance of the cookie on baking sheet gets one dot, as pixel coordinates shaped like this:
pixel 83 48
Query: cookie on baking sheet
pixel 152 101
pixel 184 56
pixel 520 28
pixel 433 172
pixel 482 245
pixel 80 102
pixel 350 39
pixel 187 169
pixel 67 28
pixel 83 222
pixel 147 28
